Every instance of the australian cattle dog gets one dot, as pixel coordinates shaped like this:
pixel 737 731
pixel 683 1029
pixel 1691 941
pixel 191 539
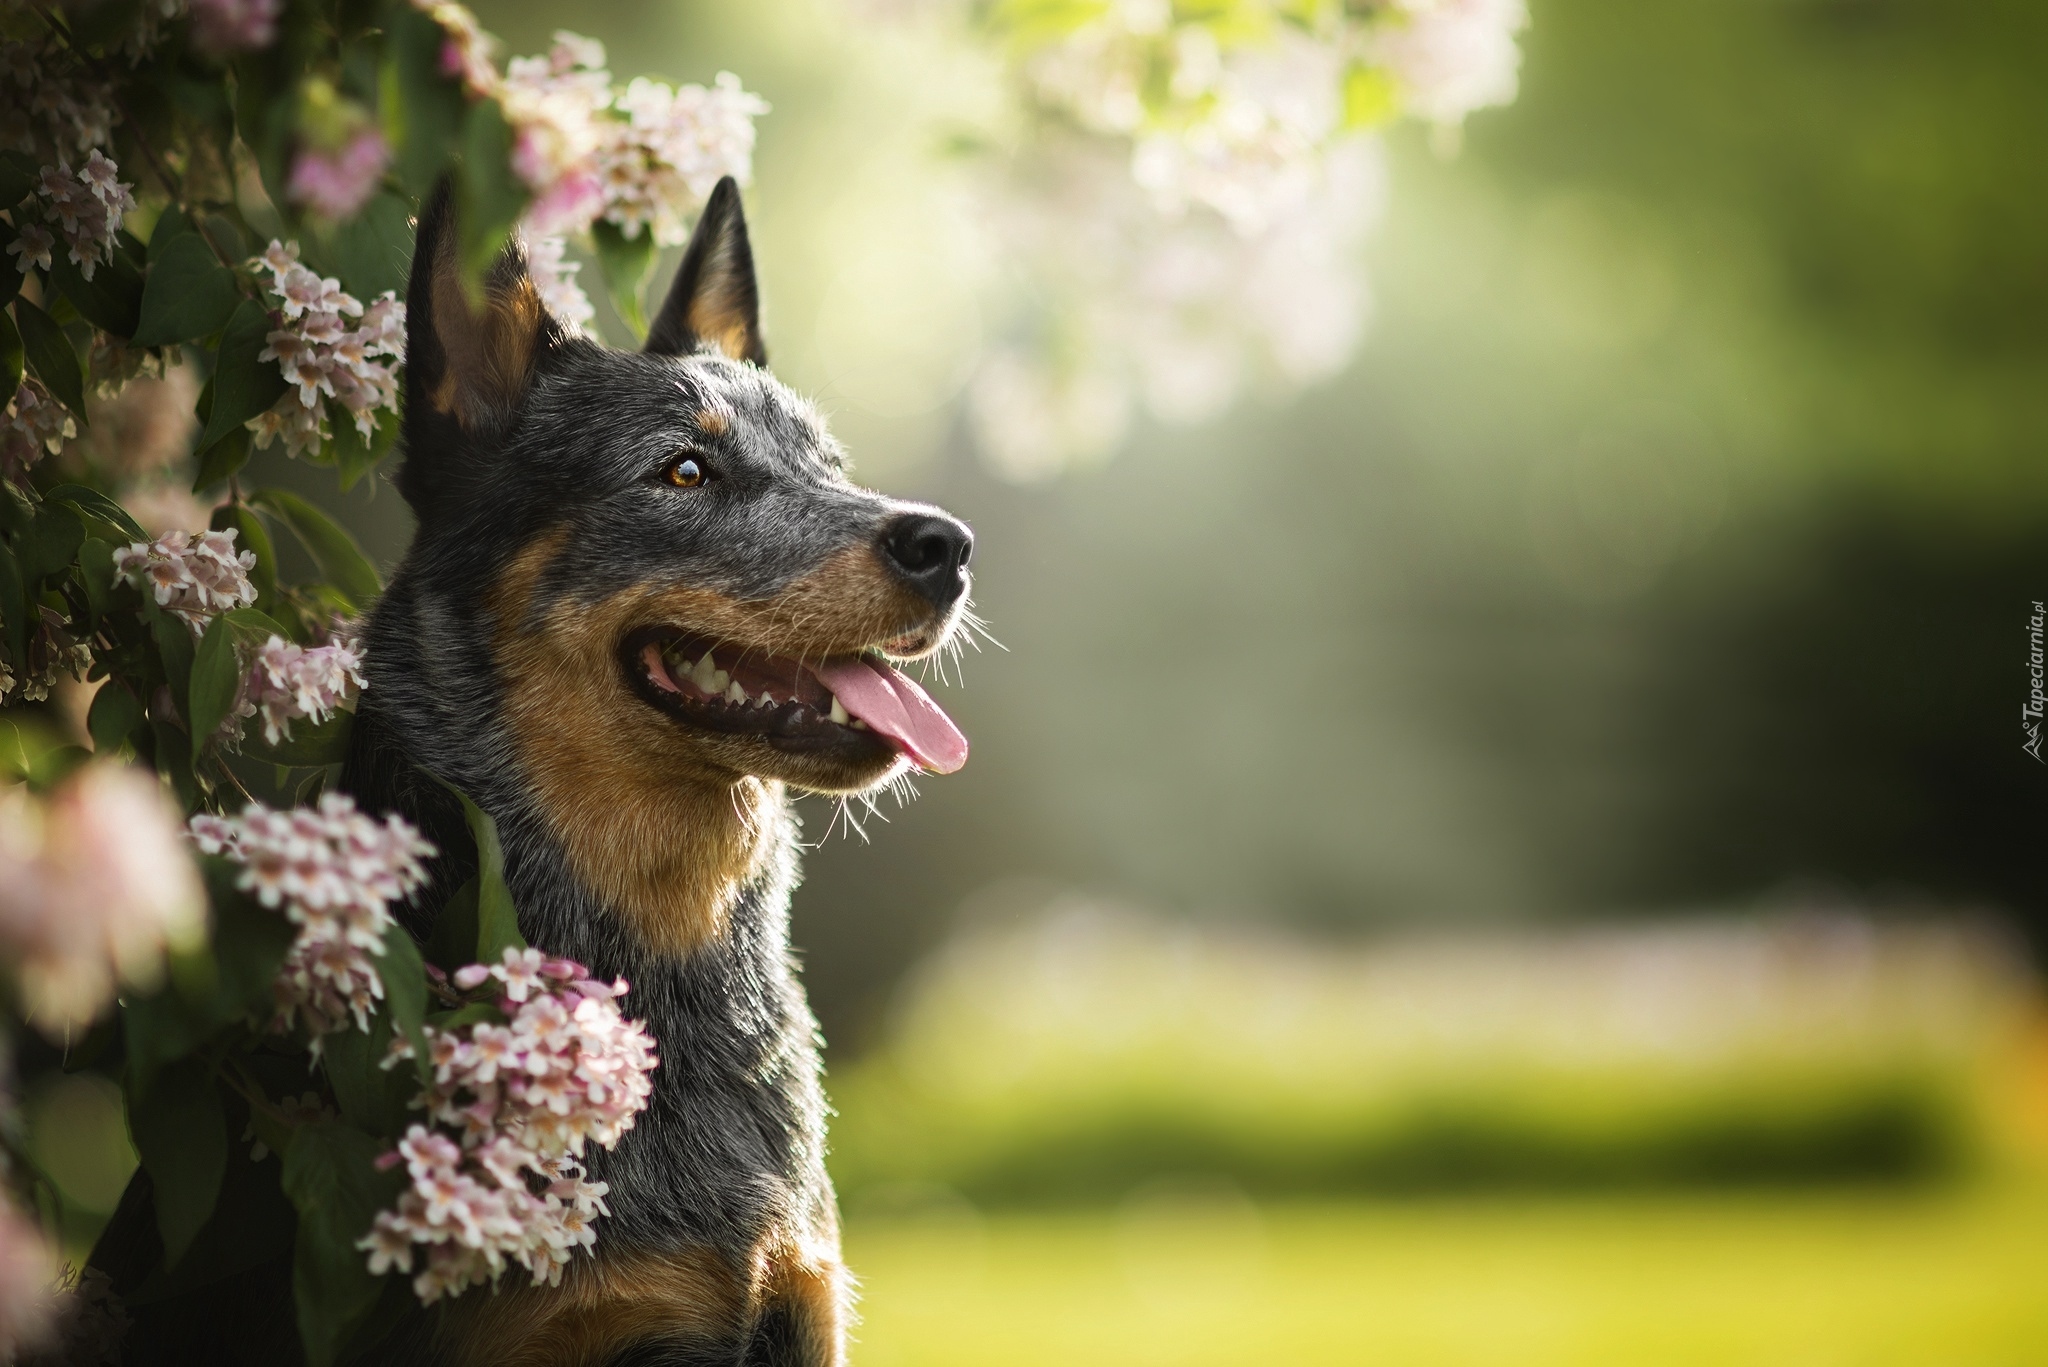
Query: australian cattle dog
pixel 644 604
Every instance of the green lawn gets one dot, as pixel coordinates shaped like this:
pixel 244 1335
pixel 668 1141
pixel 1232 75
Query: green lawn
pixel 1792 1280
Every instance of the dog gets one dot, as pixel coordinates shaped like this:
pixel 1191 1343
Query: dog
pixel 643 604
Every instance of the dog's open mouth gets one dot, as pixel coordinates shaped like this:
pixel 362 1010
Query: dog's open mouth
pixel 849 702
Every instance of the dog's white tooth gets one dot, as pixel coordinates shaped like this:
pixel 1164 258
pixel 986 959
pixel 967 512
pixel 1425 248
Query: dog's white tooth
pixel 704 673
pixel 719 679
pixel 858 724
pixel 735 694
pixel 765 700
pixel 839 712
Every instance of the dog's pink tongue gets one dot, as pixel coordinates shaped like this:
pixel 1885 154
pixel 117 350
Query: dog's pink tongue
pixel 898 709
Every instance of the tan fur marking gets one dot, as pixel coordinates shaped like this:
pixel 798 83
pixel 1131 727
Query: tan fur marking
pixel 711 422
pixel 489 355
pixel 649 816
pixel 604 1304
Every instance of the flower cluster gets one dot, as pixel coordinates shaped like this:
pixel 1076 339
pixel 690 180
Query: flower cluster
pixel 523 1098
pixel 1178 314
pixel 35 424
pixel 323 357
pixel 194 576
pixel 288 682
pixel 220 27
pixel 644 158
pixel 49 107
pixel 87 207
pixel 336 182
pixel 52 651
pixel 334 872
pixel 94 884
pixel 1450 57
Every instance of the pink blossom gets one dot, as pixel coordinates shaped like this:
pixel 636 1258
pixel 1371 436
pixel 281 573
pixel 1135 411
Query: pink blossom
pixel 35 424
pixel 336 184
pixel 223 26
pixel 194 575
pixel 287 682
pixel 87 208
pixel 325 358
pixel 94 886
pixel 334 872
pixel 565 1069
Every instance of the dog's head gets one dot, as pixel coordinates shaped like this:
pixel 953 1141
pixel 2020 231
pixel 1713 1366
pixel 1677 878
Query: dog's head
pixel 676 571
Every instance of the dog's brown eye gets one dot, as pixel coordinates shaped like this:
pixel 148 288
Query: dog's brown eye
pixel 686 473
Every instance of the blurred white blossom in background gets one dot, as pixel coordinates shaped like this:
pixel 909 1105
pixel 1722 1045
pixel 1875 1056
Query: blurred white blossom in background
pixel 95 885
pixel 1180 207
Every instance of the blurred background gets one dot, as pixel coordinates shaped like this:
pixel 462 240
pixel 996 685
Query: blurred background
pixel 1511 835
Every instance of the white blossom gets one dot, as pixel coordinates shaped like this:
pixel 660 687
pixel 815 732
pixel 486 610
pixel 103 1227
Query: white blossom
pixel 660 161
pixel 1450 57
pixel 49 107
pixel 287 682
pixel 194 575
pixel 36 424
pixel 94 886
pixel 334 872
pixel 500 1183
pixel 87 208
pixel 323 356
pixel 555 278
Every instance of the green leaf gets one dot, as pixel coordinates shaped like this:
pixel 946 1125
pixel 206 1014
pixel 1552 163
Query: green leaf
pixel 405 992
pixel 252 535
pixel 188 294
pixel 18 176
pixel 217 672
pixel 420 108
pixel 625 263
pixel 223 460
pixel 171 225
pixel 243 386
pixel 96 505
pixel 340 559
pixel 173 756
pixel 51 356
pixel 181 1135
pixel 492 197
pixel 371 1097
pixel 309 746
pixel 373 250
pixel 174 646
pixel 497 923
pixel 49 545
pixel 355 457
pixel 111 301
pixel 10 359
pixel 453 942
pixel 96 572
pixel 250 942
pixel 115 717
pixel 330 1174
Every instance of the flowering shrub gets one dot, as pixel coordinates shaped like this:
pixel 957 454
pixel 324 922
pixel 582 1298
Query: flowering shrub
pixel 1189 197
pixel 204 223
pixel 334 873
pixel 516 1098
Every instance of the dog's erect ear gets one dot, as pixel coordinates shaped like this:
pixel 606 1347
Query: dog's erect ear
pixel 467 358
pixel 713 300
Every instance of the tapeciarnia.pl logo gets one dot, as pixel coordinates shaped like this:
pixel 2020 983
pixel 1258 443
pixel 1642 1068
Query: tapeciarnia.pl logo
pixel 2037 702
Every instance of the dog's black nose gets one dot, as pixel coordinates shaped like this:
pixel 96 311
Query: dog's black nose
pixel 931 551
